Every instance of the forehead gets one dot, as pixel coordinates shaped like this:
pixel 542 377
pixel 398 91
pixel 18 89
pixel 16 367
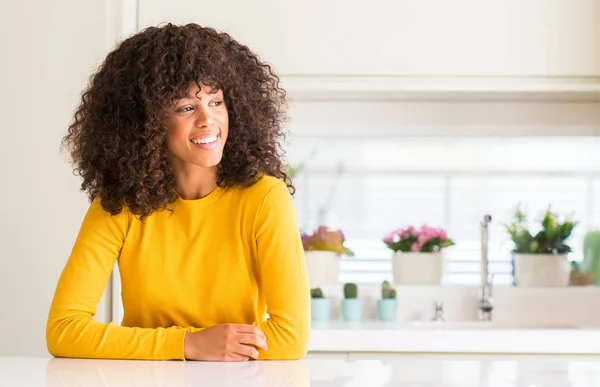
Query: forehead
pixel 200 88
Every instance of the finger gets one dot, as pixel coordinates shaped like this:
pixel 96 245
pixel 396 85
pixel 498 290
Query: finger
pixel 236 357
pixel 245 328
pixel 246 350
pixel 249 339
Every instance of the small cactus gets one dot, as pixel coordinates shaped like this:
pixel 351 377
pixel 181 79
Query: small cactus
pixel 387 292
pixel 316 293
pixel 350 291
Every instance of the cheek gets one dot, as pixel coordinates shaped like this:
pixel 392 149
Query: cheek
pixel 175 137
pixel 224 128
pixel 170 137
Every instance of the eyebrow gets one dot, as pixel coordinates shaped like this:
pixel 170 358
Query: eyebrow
pixel 189 96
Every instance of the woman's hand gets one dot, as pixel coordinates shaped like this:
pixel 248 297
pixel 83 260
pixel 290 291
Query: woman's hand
pixel 224 342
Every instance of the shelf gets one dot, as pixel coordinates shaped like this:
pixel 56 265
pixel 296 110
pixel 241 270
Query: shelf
pixel 304 87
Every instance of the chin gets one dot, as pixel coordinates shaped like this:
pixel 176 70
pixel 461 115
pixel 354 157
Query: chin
pixel 208 163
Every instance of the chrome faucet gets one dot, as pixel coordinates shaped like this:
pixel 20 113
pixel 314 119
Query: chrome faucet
pixel 439 311
pixel 486 303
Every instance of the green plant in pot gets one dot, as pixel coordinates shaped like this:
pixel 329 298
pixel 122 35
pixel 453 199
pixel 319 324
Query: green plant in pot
pixel 387 305
pixel 540 253
pixel 319 305
pixel 323 249
pixel 352 306
pixel 591 256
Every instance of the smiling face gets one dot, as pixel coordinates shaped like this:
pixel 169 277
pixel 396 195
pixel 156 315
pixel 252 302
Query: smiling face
pixel 197 128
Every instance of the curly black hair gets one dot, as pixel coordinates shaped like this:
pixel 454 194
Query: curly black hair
pixel 117 137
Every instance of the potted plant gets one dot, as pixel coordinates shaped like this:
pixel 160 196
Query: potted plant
pixel 387 305
pixel 322 251
pixel 319 305
pixel 418 257
pixel 541 257
pixel 579 276
pixel 351 305
pixel 591 256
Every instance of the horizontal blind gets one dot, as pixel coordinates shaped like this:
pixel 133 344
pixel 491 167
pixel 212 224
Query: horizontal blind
pixel 369 199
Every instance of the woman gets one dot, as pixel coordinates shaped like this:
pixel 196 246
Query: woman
pixel 176 140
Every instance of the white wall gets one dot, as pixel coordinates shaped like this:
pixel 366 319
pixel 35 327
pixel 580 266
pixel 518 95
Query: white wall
pixel 49 48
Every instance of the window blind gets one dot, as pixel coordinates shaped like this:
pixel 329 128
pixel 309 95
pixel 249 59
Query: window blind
pixel 363 188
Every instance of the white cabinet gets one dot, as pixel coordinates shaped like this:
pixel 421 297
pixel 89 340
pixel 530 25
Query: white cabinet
pixel 407 46
pixel 405 37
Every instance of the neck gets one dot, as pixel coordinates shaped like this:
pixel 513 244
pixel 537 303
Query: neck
pixel 193 182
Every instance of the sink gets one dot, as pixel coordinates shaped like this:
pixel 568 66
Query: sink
pixel 458 325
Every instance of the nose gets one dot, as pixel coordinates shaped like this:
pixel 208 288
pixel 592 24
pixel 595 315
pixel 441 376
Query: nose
pixel 204 118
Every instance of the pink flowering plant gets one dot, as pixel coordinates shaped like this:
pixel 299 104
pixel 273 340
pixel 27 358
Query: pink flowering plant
pixel 423 240
pixel 324 239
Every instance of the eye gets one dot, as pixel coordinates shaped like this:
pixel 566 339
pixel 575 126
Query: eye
pixel 216 103
pixel 185 109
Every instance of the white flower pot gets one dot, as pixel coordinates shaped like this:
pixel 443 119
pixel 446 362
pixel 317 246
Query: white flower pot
pixel 418 268
pixel 533 270
pixel 323 267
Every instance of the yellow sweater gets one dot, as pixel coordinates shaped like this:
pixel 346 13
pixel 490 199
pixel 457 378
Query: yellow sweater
pixel 229 257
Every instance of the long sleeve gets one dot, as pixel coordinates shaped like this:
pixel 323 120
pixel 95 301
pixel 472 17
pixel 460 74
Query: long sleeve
pixel 283 277
pixel 71 330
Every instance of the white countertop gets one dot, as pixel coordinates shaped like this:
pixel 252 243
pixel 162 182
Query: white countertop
pixel 400 370
pixel 482 337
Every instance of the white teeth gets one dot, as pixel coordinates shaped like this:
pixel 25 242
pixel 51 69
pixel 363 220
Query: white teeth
pixel 205 140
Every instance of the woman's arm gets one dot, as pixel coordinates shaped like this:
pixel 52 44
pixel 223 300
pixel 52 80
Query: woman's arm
pixel 283 277
pixel 71 330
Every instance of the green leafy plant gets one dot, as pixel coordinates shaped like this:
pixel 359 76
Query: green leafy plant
pixel 350 291
pixel 550 239
pixel 387 291
pixel 324 239
pixel 316 293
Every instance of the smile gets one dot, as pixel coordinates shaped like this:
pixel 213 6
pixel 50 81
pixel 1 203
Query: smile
pixel 205 140
pixel 205 143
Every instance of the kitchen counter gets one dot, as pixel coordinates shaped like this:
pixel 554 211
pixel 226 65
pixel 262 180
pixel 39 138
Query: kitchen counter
pixel 399 370
pixel 483 337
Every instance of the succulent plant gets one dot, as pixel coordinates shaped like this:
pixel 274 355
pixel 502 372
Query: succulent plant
pixel 550 239
pixel 387 292
pixel 591 254
pixel 316 293
pixel 350 291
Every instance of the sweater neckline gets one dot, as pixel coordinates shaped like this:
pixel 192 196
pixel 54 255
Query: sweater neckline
pixel 206 200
